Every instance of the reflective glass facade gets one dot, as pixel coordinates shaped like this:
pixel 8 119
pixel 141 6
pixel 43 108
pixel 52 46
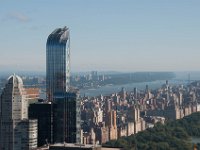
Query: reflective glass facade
pixel 57 62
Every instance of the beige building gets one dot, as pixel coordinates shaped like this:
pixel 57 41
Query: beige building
pixel 32 94
pixel 122 131
pixel 130 128
pixel 16 132
pixel 113 133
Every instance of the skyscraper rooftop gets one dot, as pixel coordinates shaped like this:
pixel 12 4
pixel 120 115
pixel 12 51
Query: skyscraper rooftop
pixel 15 79
pixel 60 35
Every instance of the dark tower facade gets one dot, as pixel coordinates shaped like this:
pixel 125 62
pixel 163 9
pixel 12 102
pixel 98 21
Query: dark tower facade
pixel 42 112
pixel 67 117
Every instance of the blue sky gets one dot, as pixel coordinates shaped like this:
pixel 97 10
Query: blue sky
pixel 120 35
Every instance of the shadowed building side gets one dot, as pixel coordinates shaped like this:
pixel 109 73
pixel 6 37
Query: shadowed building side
pixel 67 117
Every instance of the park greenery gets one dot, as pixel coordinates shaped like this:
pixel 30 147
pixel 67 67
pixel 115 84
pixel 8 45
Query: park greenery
pixel 174 135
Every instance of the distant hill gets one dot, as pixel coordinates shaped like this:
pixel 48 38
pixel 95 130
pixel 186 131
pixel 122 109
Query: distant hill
pixel 175 135
pixel 125 78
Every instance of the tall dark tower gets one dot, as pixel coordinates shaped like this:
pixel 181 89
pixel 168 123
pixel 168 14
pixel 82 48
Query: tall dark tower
pixel 42 112
pixel 67 117
pixel 57 62
pixel 65 110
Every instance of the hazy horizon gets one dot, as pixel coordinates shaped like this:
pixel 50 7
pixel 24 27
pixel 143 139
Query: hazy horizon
pixel 183 75
pixel 127 36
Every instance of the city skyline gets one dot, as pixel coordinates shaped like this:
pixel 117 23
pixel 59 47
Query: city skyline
pixel 107 35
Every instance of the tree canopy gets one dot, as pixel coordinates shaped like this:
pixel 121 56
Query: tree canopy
pixel 174 135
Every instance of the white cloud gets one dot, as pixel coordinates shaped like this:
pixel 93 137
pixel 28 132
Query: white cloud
pixel 18 16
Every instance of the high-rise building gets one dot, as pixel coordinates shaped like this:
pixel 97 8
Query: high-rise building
pixel 42 112
pixel 57 62
pixel 14 117
pixel 67 117
pixel 29 134
pixel 66 113
pixel 123 93
pixel 135 93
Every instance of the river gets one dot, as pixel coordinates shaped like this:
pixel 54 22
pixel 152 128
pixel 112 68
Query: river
pixel 109 89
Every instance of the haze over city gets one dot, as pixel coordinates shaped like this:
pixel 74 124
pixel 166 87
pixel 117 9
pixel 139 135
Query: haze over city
pixel 105 35
pixel 106 75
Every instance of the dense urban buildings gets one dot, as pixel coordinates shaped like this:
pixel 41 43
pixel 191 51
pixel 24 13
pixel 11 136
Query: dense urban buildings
pixel 108 118
pixel 57 62
pixel 64 117
pixel 16 131
pixel 104 118
pixel 125 113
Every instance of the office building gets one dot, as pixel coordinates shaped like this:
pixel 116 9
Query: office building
pixel 14 117
pixel 29 134
pixel 42 112
pixel 67 117
pixel 57 62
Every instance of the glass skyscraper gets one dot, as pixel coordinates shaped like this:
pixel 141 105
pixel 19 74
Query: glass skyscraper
pixel 57 62
pixel 66 109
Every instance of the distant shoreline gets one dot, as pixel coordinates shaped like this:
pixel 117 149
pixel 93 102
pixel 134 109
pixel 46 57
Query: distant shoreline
pixel 107 90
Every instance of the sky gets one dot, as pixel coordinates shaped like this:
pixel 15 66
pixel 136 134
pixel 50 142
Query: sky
pixel 105 35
